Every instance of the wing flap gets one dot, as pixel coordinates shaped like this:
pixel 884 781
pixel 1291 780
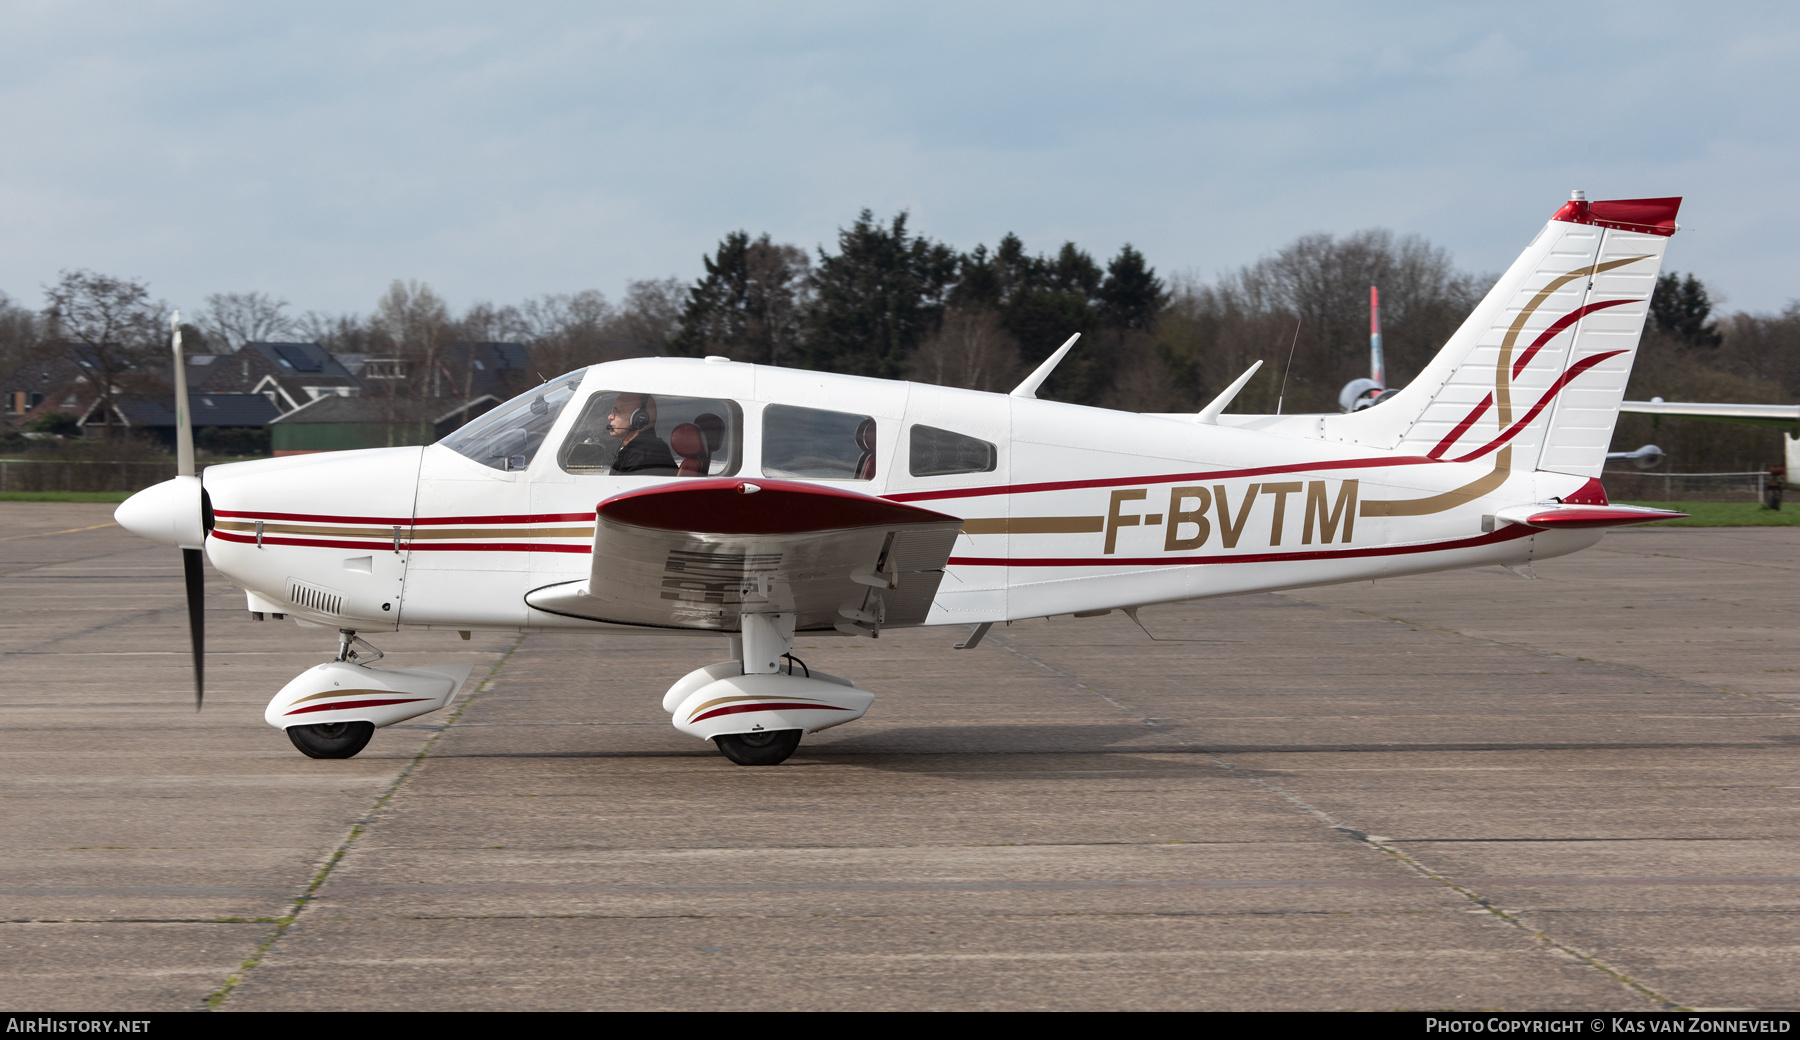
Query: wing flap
pixel 701 553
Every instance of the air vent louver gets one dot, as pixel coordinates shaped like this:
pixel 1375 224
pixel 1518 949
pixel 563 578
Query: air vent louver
pixel 312 597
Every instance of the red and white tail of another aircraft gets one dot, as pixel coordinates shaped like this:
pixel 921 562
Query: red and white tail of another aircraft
pixel 756 503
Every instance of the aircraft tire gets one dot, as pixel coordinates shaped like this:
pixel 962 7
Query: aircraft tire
pixel 759 749
pixel 332 739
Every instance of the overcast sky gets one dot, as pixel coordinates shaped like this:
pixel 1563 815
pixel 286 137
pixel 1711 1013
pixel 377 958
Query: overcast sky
pixel 499 151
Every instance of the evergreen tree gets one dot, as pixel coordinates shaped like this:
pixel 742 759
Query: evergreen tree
pixel 1680 309
pixel 1132 296
pixel 750 306
pixel 877 299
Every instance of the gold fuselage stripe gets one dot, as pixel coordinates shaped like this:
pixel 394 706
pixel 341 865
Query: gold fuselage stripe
pixel 1035 525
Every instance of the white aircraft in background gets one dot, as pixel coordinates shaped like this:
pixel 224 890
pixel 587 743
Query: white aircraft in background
pixel 1358 394
pixel 748 503
pixel 1785 416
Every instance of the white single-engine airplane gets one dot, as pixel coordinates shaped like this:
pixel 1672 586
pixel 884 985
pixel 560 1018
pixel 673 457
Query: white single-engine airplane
pixel 755 503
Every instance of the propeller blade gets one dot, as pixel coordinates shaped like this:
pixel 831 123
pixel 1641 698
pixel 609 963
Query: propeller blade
pixel 184 420
pixel 196 603
pixel 191 559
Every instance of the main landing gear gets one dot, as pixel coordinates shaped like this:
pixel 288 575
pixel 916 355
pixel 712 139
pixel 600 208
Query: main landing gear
pixel 755 708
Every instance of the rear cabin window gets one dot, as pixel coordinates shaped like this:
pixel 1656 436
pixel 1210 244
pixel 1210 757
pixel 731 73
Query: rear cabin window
pixel 624 434
pixel 508 437
pixel 936 453
pixel 817 444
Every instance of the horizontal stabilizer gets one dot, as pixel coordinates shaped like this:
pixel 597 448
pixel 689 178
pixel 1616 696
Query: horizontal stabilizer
pixel 1567 516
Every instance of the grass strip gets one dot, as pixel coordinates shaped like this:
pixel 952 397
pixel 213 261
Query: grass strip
pixel 65 496
pixel 1725 514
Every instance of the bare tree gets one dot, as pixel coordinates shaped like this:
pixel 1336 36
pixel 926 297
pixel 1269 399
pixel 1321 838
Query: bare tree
pixel 114 325
pixel 21 336
pixel 567 331
pixel 1317 285
pixel 231 320
pixel 651 315
pixel 342 334
pixel 486 323
pixel 415 320
pixel 971 349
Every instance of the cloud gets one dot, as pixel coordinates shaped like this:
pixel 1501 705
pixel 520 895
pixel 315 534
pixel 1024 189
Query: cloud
pixel 498 152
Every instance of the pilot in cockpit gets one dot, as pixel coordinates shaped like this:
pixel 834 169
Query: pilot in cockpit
pixel 633 422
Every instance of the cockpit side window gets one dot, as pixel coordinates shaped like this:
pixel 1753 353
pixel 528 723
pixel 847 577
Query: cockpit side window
pixel 625 434
pixel 937 453
pixel 817 444
pixel 508 437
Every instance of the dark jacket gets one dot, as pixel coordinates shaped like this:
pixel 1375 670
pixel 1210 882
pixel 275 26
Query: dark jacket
pixel 646 456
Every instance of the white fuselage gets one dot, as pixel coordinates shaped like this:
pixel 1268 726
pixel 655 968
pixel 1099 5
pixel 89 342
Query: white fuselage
pixel 1083 508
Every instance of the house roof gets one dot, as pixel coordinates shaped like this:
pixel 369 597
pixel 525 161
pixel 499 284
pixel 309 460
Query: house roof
pixel 308 360
pixel 377 410
pixel 207 410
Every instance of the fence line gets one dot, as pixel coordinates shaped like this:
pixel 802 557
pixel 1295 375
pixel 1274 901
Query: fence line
pixel 82 475
pixel 1686 487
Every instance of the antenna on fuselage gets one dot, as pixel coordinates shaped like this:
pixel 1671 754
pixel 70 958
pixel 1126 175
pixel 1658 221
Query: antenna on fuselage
pixel 1290 367
pixel 1210 414
pixel 1036 379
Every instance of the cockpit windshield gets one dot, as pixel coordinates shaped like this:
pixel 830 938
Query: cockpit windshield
pixel 509 436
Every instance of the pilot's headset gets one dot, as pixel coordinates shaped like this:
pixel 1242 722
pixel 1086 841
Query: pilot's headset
pixel 640 419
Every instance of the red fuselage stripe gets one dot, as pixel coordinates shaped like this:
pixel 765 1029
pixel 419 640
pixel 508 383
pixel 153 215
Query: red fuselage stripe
pixel 1555 388
pixel 735 709
pixel 354 704
pixel 387 544
pixel 400 521
pixel 1506 533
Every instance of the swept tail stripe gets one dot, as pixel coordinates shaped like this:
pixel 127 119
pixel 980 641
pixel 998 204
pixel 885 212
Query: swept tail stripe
pixel 354 704
pixel 1461 428
pixel 1507 533
pixel 1561 323
pixel 735 709
pixel 1555 388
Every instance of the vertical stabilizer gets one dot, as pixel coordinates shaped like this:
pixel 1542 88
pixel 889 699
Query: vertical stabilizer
pixel 1534 377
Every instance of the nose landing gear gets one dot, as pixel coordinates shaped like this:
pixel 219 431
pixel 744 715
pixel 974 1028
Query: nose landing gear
pixel 331 739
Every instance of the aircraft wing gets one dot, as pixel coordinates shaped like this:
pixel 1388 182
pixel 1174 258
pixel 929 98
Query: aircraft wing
pixel 700 553
pixel 1785 415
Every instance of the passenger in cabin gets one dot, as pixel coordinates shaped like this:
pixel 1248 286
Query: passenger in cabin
pixel 641 452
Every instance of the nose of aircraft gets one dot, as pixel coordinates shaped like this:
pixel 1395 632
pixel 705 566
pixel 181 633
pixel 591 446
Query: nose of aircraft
pixel 171 512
